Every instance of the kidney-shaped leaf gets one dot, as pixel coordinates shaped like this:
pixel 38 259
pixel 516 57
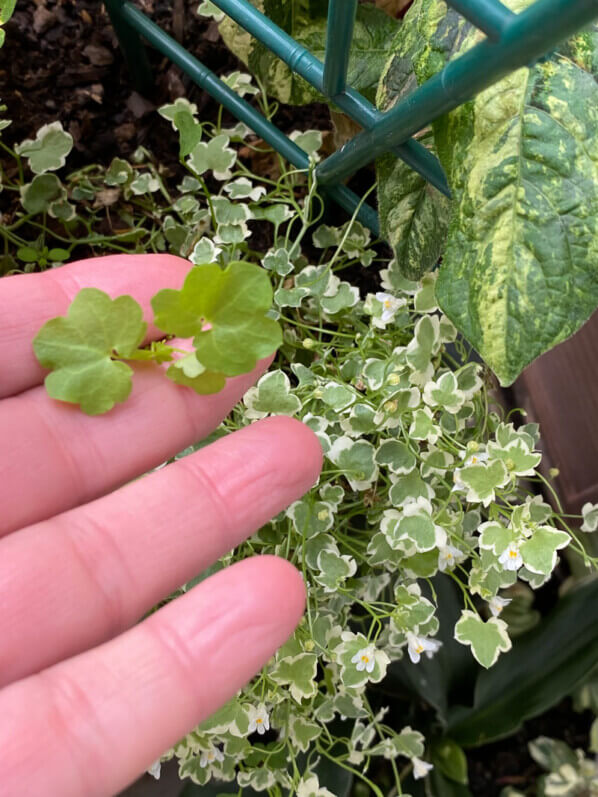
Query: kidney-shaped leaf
pixel 79 348
pixel 225 311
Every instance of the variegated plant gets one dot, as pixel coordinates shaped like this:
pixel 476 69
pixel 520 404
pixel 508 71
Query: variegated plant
pixel 423 489
pixel 519 241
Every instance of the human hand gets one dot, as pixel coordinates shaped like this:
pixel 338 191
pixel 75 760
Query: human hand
pixel 88 699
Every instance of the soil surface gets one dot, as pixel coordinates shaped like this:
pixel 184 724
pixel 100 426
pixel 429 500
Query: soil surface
pixel 61 61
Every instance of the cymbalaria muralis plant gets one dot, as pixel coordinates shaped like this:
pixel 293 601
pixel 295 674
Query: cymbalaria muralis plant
pixel 423 479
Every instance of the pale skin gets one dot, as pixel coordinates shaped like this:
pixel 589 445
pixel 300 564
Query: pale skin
pixel 90 696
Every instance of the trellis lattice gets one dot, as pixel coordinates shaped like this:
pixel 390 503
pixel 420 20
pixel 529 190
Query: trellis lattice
pixel 512 41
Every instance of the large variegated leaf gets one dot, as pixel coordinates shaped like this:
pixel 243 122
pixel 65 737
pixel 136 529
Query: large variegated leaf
pixel 520 272
pixel 306 22
pixel 414 216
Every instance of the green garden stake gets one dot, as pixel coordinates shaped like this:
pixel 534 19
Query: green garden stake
pixel 133 48
pixel 513 41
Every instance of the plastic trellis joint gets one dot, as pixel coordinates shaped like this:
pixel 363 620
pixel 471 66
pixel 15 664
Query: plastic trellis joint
pixel 513 40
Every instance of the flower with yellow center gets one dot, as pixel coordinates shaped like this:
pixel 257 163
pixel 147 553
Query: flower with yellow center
pixel 416 645
pixel 476 459
pixel 390 305
pixel 510 558
pixel 365 659
pixel 449 556
pixel 497 604
pixel 209 756
pixel 259 719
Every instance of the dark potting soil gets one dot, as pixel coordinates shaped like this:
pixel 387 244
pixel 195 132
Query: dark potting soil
pixel 61 61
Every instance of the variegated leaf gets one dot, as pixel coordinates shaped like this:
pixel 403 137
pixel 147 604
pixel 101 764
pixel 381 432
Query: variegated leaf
pixel 520 273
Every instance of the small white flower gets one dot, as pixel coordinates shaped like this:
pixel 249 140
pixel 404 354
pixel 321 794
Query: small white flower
pixel 497 604
pixel 510 558
pixel 449 556
pixel 365 659
pixel 476 458
pixel 209 756
pixel 420 768
pixel 258 719
pixel 416 645
pixel 154 770
pixel 459 485
pixel 390 305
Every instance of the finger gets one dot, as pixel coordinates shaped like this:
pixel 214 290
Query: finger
pixel 101 718
pixel 56 457
pixel 29 300
pixel 81 578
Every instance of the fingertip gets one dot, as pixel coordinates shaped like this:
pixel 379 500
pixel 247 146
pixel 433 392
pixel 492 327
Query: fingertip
pixel 285 586
pixel 298 442
pixel 266 590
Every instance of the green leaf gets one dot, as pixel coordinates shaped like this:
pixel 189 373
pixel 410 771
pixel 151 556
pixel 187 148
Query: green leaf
pixel 442 786
pixel 450 759
pixel 48 151
pixel 271 396
pixel 337 396
pixel 311 517
pixel 345 297
pixel 356 461
pixel 58 255
pixel 444 393
pixel 408 743
pixel 144 183
pixel 7 8
pixel 545 665
pixel 414 215
pixel 310 141
pixel 299 674
pixel 372 33
pixel 487 638
pixel 482 480
pixel 396 456
pixel 278 260
pixel 418 529
pixel 234 303
pixel 539 552
pixel 42 193
pixel 79 348
pixel 589 513
pixel 334 569
pixel 495 537
pixel 371 39
pixel 28 254
pixel 119 172
pixel 409 487
pixel 517 457
pixel 189 372
pixel 519 272
pixel 215 155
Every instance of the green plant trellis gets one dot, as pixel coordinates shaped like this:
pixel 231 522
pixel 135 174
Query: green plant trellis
pixel 512 41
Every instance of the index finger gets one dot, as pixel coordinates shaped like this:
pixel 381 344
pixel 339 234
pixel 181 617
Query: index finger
pixel 27 301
